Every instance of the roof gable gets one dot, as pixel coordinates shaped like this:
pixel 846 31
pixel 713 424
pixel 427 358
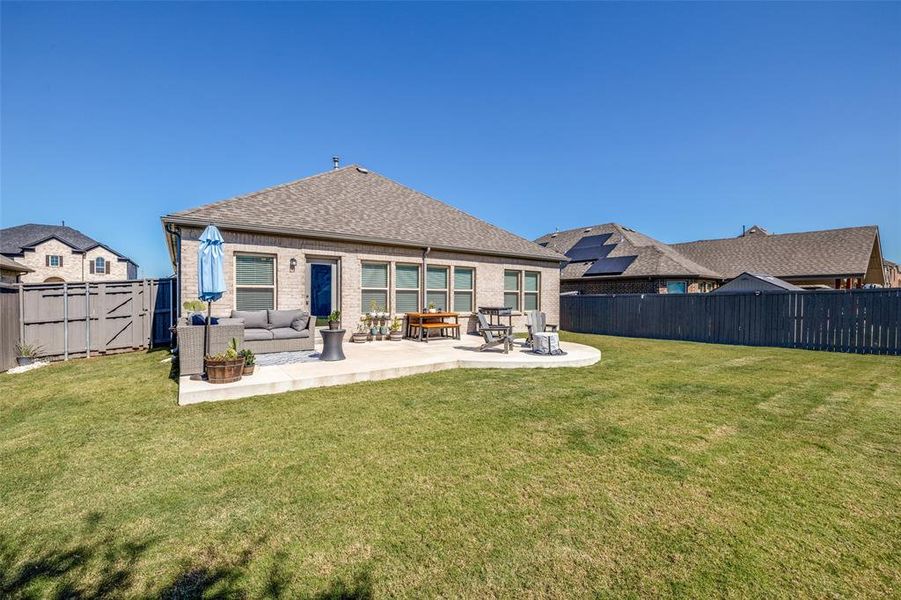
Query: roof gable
pixel 355 203
pixel 15 240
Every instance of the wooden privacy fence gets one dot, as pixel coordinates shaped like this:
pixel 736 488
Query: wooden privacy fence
pixel 862 321
pixel 80 319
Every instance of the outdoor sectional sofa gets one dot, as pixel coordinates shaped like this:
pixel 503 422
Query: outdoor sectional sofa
pixel 263 331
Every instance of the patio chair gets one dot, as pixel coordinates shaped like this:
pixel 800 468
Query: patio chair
pixel 494 335
pixel 536 322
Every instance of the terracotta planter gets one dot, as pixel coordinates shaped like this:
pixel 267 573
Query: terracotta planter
pixel 248 370
pixel 334 325
pixel 397 336
pixel 359 338
pixel 227 371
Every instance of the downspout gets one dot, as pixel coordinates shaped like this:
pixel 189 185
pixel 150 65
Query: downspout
pixel 176 233
pixel 422 286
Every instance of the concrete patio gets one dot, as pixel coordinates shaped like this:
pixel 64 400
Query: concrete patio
pixel 375 361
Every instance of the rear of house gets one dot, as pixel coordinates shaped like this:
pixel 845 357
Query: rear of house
pixel 350 239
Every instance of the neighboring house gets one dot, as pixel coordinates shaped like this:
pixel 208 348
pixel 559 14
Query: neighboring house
pixel 837 258
pixel 349 238
pixel 612 259
pixel 892 274
pixel 757 282
pixel 11 271
pixel 55 253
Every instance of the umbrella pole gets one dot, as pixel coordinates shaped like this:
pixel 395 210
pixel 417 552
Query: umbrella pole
pixel 206 334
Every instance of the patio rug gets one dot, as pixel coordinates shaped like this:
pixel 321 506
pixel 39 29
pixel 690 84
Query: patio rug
pixel 287 358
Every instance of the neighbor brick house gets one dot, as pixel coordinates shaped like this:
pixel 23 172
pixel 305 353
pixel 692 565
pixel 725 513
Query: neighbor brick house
pixel 892 274
pixel 350 238
pixel 613 259
pixel 56 253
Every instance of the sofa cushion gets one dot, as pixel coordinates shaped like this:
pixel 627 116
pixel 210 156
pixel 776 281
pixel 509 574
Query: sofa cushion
pixel 289 333
pixel 257 335
pixel 253 319
pixel 230 321
pixel 301 321
pixel 283 318
pixel 198 319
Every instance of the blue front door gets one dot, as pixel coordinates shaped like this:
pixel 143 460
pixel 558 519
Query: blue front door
pixel 321 289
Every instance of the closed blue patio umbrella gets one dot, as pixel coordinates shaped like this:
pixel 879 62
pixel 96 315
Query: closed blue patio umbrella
pixel 210 279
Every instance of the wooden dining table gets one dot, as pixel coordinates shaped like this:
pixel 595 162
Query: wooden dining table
pixel 429 321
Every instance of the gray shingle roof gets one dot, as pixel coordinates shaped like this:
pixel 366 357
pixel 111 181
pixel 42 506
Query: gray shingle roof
pixel 654 258
pixel 14 239
pixel 9 264
pixel 354 203
pixel 829 252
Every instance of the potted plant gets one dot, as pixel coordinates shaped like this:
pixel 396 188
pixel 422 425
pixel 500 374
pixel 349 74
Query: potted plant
pixel 250 361
pixel 334 320
pixel 361 334
pixel 383 328
pixel 396 333
pixel 26 354
pixel 226 367
pixel 432 308
pixel 373 309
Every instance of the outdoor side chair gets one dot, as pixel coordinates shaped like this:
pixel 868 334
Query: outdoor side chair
pixel 494 335
pixel 536 322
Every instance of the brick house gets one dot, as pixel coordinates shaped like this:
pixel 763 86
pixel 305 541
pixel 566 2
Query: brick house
pixel 56 253
pixel 613 259
pixel 349 238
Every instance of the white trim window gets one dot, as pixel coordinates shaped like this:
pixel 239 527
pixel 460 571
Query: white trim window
pixel 374 287
pixel 406 288
pixel 436 289
pixel 54 260
pixel 99 265
pixel 511 289
pixel 531 296
pixel 255 282
pixel 464 289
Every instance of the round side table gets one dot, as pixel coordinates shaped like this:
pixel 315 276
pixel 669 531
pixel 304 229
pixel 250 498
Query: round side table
pixel 332 348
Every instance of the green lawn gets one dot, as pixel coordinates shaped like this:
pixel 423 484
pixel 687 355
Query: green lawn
pixel 668 469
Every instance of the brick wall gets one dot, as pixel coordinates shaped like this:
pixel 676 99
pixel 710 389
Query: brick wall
pixel 291 290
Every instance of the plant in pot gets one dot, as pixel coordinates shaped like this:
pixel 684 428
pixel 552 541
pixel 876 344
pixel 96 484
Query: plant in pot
pixel 373 309
pixel 396 333
pixel 250 361
pixel 334 320
pixel 361 334
pixel 26 354
pixel 225 367
pixel 195 311
pixel 432 308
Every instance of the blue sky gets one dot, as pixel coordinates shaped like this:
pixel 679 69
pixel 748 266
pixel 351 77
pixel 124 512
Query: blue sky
pixel 683 121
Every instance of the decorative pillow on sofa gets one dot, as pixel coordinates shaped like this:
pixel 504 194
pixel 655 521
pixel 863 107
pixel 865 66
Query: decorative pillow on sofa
pixel 230 321
pixel 301 322
pixel 253 319
pixel 201 320
pixel 286 318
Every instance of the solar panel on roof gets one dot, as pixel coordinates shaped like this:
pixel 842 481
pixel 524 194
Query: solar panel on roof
pixel 589 253
pixel 592 240
pixel 610 266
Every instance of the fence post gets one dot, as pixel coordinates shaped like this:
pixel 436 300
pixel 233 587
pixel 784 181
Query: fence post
pixel 87 320
pixel 65 321
pixel 21 314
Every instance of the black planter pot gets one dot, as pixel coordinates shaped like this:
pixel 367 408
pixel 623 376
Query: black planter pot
pixel 24 360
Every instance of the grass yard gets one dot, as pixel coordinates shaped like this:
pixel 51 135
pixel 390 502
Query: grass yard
pixel 668 469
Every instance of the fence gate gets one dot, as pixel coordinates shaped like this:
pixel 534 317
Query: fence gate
pixel 80 319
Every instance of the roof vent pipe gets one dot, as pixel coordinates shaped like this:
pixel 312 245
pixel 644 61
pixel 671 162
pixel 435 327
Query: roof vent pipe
pixel 335 161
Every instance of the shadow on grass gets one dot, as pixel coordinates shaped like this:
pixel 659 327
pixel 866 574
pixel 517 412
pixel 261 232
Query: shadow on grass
pixel 100 566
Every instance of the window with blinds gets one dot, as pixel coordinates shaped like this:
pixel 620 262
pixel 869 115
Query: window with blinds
pixel 464 288
pixel 511 289
pixel 254 282
pixel 406 288
pixel 374 287
pixel 531 296
pixel 436 287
